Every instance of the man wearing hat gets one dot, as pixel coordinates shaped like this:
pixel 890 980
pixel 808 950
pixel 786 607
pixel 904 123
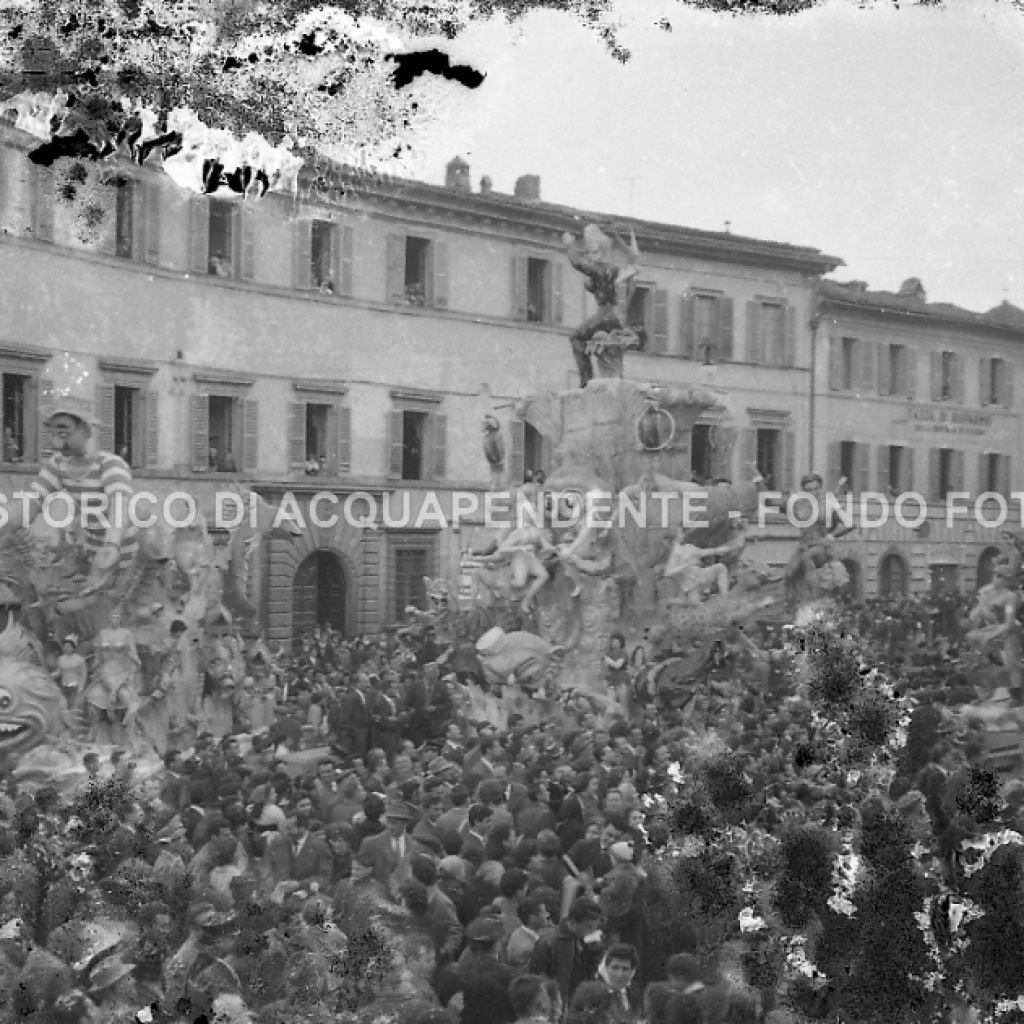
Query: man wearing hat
pixel 76 468
pixel 481 978
pixel 387 854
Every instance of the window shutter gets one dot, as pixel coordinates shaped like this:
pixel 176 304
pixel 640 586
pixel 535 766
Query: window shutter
pixel 545 454
pixel 519 287
pixel 296 435
pixel 345 236
pixel 1006 383
pixel 867 366
pixel 957 468
pixel 755 352
pixel 396 445
pixel 910 356
pixel 885 384
pixel 199 214
pixel 907 458
pixel 834 467
pixel 250 435
pixel 396 270
pixel 343 416
pixel 863 481
pixel 934 457
pixel 517 462
pixel 688 326
pixel 303 253
pixel 750 453
pixel 835 364
pixel 882 468
pixel 557 288
pixel 118 234
pixel 42 203
pixel 247 244
pixel 105 415
pixel 983 458
pixel 659 332
pixel 151 455
pixel 725 316
pixel 788 482
pixel 936 361
pixel 440 440
pixel 21 203
pixel 957 388
pixel 789 345
pixel 1005 462
pixel 150 195
pixel 984 380
pixel 440 275
pixel 200 408
pixel 41 403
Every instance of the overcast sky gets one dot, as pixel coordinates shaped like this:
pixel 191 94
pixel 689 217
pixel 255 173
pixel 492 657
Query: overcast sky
pixel 890 137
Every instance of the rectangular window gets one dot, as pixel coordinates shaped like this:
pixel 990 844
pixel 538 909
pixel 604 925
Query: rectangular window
pixel 849 366
pixel 222 238
pixel 947 482
pixel 768 456
pixel 706 318
pixel 128 425
pixel 701 470
pixel 947 386
pixel 414 445
pixel 317 419
pixel 639 310
pixel 411 565
pixel 898 369
pixel 322 256
pixel 124 224
pixel 417 267
pixel 16 389
pixel 993 388
pixel 225 434
pixel 897 468
pixel 848 462
pixel 538 298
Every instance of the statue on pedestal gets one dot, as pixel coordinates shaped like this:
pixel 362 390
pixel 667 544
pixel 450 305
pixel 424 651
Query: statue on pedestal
pixel 605 335
pixel 494 450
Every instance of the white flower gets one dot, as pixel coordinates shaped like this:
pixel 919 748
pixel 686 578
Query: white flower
pixel 749 921
pixel 675 772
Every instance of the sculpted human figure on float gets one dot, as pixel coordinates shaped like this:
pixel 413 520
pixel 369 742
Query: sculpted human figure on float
pixel 604 336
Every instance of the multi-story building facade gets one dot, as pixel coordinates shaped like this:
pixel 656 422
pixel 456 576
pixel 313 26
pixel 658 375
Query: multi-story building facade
pixel 918 396
pixel 366 328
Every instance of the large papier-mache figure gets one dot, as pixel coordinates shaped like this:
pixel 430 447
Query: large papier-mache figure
pixel 603 337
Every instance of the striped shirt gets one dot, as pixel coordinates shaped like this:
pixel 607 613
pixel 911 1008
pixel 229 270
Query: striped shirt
pixel 106 474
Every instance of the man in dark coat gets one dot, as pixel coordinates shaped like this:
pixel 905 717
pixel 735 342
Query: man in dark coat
pixel 562 953
pixel 352 719
pixel 481 978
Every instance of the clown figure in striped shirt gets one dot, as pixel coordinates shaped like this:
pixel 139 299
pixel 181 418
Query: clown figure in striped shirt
pixel 76 469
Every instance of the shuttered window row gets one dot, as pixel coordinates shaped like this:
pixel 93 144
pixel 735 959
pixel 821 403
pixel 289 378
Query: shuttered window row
pixel 897 469
pixel 863 366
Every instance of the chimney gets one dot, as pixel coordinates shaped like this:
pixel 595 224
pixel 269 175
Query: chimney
pixel 528 187
pixel 913 289
pixel 486 185
pixel 457 175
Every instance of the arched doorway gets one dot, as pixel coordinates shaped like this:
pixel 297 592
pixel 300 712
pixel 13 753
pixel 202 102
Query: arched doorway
pixel 852 590
pixel 986 566
pixel 892 576
pixel 318 594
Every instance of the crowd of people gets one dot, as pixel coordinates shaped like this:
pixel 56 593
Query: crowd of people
pixel 359 845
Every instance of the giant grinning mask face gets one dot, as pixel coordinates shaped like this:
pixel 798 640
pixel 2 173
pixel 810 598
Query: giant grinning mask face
pixel 32 706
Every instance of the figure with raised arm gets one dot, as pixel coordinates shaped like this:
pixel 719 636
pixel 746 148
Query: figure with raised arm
pixel 604 277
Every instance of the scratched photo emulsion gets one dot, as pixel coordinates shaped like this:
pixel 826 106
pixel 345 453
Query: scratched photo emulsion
pixel 511 516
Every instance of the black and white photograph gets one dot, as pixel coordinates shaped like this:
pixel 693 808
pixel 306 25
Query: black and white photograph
pixel 511 513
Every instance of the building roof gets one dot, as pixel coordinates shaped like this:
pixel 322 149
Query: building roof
pixel 856 293
pixel 555 218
